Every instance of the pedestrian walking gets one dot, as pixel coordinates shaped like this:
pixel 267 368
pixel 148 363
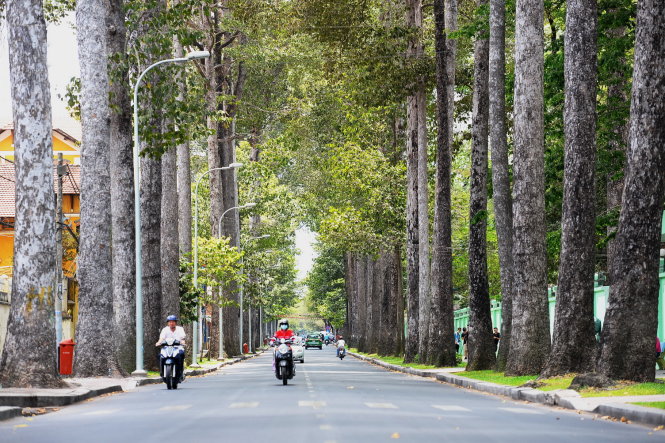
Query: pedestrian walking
pixel 497 338
pixel 465 338
pixel 659 354
pixel 458 337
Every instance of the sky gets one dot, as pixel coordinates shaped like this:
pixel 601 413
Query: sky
pixel 63 65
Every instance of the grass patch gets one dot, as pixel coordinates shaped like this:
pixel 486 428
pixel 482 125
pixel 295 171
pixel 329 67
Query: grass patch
pixel 498 377
pixel 153 373
pixel 549 384
pixel 626 389
pixel 651 404
pixel 394 360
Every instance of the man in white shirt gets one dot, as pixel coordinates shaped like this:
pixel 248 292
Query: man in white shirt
pixel 340 344
pixel 177 333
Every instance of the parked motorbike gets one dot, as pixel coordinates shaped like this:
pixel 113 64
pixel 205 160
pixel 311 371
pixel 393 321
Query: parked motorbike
pixel 285 369
pixel 341 352
pixel 168 363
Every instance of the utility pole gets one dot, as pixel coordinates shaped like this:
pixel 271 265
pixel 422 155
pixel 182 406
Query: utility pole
pixel 61 170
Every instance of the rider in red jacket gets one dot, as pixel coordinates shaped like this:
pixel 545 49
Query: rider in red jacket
pixel 284 331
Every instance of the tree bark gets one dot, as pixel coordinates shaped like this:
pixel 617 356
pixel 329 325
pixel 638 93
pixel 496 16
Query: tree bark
pixel 169 237
pixel 94 354
pixel 634 291
pixel 361 284
pixel 417 235
pixel 151 202
pixel 481 344
pixel 530 341
pixel 29 354
pixel 503 202
pixel 450 12
pixel 574 344
pixel 122 192
pixel 441 341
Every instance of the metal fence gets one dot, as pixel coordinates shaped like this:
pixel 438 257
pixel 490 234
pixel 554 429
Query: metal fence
pixel 600 296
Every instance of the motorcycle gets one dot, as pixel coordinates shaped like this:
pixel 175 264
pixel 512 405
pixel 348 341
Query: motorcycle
pixel 285 369
pixel 341 353
pixel 168 363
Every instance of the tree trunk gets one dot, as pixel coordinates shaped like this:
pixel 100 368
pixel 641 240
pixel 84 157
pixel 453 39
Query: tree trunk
pixel 503 202
pixel 94 355
pixel 361 279
pixel 574 344
pixel 169 236
pixel 151 202
pixel 530 341
pixel 634 291
pixel 450 7
pixel 481 344
pixel 441 342
pixel 414 250
pixel 122 193
pixel 29 354
pixel 352 297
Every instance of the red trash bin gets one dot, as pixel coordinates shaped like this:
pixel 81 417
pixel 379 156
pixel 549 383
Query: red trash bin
pixel 245 348
pixel 66 356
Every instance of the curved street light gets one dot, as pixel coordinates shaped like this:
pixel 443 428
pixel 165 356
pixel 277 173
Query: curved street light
pixel 137 205
pixel 195 324
pixel 221 314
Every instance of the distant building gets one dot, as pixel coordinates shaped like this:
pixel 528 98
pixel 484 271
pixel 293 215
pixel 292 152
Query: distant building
pixel 69 147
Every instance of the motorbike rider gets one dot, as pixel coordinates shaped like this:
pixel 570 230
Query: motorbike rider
pixel 340 344
pixel 172 330
pixel 284 331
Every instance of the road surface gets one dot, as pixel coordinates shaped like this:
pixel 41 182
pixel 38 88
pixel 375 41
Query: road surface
pixel 328 401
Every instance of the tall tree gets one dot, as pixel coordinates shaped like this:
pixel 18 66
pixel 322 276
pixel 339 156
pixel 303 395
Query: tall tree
pixel 503 201
pixel 634 290
pixel 170 257
pixel 441 342
pixel 574 343
pixel 417 167
pixel 481 345
pixel 122 190
pixel 95 354
pixel 412 223
pixel 29 354
pixel 530 341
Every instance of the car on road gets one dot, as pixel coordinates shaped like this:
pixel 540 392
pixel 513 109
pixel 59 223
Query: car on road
pixel 298 349
pixel 313 341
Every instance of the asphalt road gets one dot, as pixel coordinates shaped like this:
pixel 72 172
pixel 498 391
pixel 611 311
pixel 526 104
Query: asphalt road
pixel 328 401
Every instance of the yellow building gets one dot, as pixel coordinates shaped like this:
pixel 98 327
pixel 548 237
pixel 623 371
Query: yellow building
pixel 67 146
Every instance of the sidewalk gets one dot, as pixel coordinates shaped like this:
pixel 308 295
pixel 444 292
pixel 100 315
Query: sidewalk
pixel 616 407
pixel 13 400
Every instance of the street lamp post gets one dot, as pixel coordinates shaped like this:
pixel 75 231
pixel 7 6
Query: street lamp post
pixel 221 313
pixel 137 205
pixel 195 333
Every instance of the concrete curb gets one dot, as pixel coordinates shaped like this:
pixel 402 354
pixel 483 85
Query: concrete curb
pixel 54 399
pixel 564 398
pixel 7 412
pixel 12 403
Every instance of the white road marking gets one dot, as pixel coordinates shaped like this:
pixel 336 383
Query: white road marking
pixel 345 372
pixel 325 427
pixel 245 405
pixel 521 411
pixel 175 408
pixel 102 412
pixel 381 405
pixel 451 408
pixel 311 404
